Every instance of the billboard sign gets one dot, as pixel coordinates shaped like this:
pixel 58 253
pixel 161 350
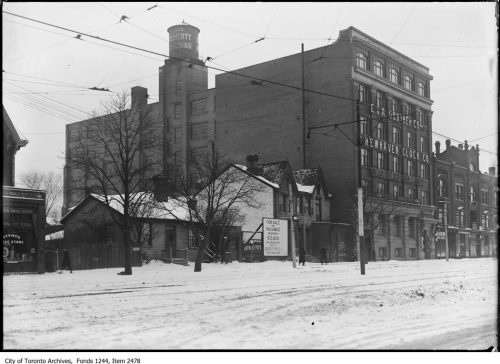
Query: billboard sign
pixel 275 237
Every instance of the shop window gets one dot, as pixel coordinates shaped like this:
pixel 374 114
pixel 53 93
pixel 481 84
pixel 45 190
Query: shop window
pixel 412 252
pixel 382 252
pixel 398 252
pixel 382 225
pixel 398 225
pixel 412 227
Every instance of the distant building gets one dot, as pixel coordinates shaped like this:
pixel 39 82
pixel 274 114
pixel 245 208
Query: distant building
pixel 311 200
pixel 263 116
pixel 183 118
pixel 468 198
pixel 11 144
pixel 23 212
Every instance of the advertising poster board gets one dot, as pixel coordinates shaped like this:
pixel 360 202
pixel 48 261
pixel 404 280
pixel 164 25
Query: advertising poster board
pixel 275 237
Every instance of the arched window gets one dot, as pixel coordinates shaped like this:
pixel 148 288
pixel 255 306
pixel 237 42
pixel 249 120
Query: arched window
pixel 361 60
pixel 472 167
pixel 421 88
pixel 394 75
pixel 378 68
pixel 408 82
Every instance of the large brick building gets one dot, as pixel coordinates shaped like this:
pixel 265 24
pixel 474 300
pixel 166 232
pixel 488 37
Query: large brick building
pixel 467 199
pixel 263 116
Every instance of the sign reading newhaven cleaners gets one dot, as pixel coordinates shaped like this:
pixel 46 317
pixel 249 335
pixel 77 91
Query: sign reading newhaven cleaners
pixel 275 237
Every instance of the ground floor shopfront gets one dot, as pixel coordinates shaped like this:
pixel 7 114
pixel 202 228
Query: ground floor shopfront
pixel 466 243
pixel 398 230
pixel 22 232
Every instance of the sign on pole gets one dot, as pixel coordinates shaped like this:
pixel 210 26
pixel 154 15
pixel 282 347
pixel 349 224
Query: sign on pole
pixel 275 237
pixel 361 227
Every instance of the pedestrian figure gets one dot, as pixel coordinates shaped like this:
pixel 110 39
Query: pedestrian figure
pixel 323 255
pixel 66 263
pixel 302 256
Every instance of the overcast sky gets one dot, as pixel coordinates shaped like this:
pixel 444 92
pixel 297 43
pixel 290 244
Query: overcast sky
pixel 48 72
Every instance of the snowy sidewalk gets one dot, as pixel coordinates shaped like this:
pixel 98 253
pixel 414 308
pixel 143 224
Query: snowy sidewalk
pixel 426 304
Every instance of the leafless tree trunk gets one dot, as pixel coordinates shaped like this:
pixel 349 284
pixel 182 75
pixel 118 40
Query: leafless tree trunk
pixel 111 154
pixel 52 184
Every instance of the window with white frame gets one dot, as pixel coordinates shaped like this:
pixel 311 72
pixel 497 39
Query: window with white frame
pixel 459 217
pixel 459 191
pixel 396 192
pixel 396 135
pixel 380 132
pixel 408 82
pixel 421 88
pixel 380 160
pixel 485 221
pixel 411 194
pixel 363 93
pixel 364 157
pixel 378 68
pixel 411 141
pixel 472 194
pixel 363 124
pixel 362 59
pixel 379 100
pixel 410 168
pixel 380 189
pixel 394 74
pixel 424 197
pixel 424 171
pixel 424 143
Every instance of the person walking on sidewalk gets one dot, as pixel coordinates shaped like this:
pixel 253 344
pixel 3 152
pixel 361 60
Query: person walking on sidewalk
pixel 66 263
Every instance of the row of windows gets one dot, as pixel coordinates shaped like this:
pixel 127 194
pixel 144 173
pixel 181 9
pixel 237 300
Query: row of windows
pixel 395 106
pixel 381 189
pixel 394 164
pixel 303 203
pixel 391 71
pixel 459 192
pixel 198 107
pixel 383 227
pixel 459 218
pixel 198 131
pixel 381 132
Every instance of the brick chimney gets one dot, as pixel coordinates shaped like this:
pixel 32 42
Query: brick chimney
pixel 139 97
pixel 252 163
pixel 438 147
pixel 448 143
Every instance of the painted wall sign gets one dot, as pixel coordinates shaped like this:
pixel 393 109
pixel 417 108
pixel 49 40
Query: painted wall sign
pixel 395 149
pixel 275 237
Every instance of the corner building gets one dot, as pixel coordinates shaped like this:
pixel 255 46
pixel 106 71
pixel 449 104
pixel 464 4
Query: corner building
pixel 395 120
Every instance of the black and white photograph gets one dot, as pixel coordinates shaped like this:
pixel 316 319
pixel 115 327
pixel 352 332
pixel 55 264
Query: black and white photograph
pixel 248 176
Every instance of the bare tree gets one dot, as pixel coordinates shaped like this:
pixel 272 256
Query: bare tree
pixel 52 184
pixel 376 210
pixel 223 193
pixel 111 155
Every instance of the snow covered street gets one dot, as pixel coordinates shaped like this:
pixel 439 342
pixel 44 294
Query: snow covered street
pixel 426 304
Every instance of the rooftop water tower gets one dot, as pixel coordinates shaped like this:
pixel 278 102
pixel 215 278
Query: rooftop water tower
pixel 183 40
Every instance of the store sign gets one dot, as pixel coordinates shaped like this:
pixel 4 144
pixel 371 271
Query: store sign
pixel 253 246
pixel 405 119
pixel 275 237
pixel 12 239
pixel 395 149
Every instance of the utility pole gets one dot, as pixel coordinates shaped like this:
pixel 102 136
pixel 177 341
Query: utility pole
pixel 292 229
pixel 447 251
pixel 303 112
pixel 360 197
